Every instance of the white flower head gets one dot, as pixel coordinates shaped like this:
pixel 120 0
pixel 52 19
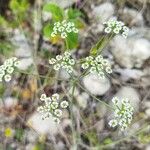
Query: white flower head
pixel 52 61
pixel 55 97
pixel 113 123
pixel 10 70
pixel 58 112
pixel 54 105
pixel 57 67
pixel 64 104
pixel 43 97
pixel 63 35
pixel 7 77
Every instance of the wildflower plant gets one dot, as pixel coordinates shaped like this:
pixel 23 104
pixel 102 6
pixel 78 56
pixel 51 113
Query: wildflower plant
pixel 116 27
pixel 123 113
pixel 97 65
pixel 52 107
pixel 63 26
pixel 63 61
pixel 7 69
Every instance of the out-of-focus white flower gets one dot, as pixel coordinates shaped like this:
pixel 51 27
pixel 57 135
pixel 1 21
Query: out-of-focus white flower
pixel 64 104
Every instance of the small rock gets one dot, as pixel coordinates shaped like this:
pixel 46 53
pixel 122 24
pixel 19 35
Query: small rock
pixel 95 85
pixel 127 74
pixel 100 125
pixel 47 126
pixel 132 17
pixel 64 75
pixel 21 43
pixel 10 102
pixel 65 3
pixel 103 11
pixel 147 112
pixel 131 94
pixel 25 63
pixel 130 52
pixel 82 100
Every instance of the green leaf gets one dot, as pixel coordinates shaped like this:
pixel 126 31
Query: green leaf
pixel 79 23
pixel 57 12
pixel 19 134
pixel 74 13
pixel 48 28
pixel 72 40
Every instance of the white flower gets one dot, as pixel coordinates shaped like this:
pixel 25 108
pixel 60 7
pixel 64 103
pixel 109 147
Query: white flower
pixel 43 97
pixel 85 65
pixel 55 97
pixel 58 57
pixel 8 63
pixel 7 77
pixel 116 30
pixel 58 112
pixel 113 123
pixel 63 35
pixel 10 70
pixel 54 105
pixel 67 54
pixel 16 64
pixel 61 29
pixel 52 61
pixel 115 100
pixel 99 58
pixel 108 30
pixel 75 30
pixel 71 61
pixel 53 34
pixel 125 34
pixel 68 29
pixel 64 104
pixel 108 70
pixel 57 67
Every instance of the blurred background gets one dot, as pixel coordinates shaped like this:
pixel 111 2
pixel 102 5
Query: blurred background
pixel 21 35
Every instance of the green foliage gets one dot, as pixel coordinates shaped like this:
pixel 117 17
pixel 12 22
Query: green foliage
pixel 72 40
pixel 19 134
pixel 19 9
pixel 58 14
pixel 48 28
pixel 6 48
pixel 144 138
pixel 56 11
pixel 74 13
pixel 3 22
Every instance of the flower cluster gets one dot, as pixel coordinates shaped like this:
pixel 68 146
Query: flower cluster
pixel 8 68
pixel 63 61
pixel 62 28
pixel 123 113
pixel 112 25
pixel 52 107
pixel 97 65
